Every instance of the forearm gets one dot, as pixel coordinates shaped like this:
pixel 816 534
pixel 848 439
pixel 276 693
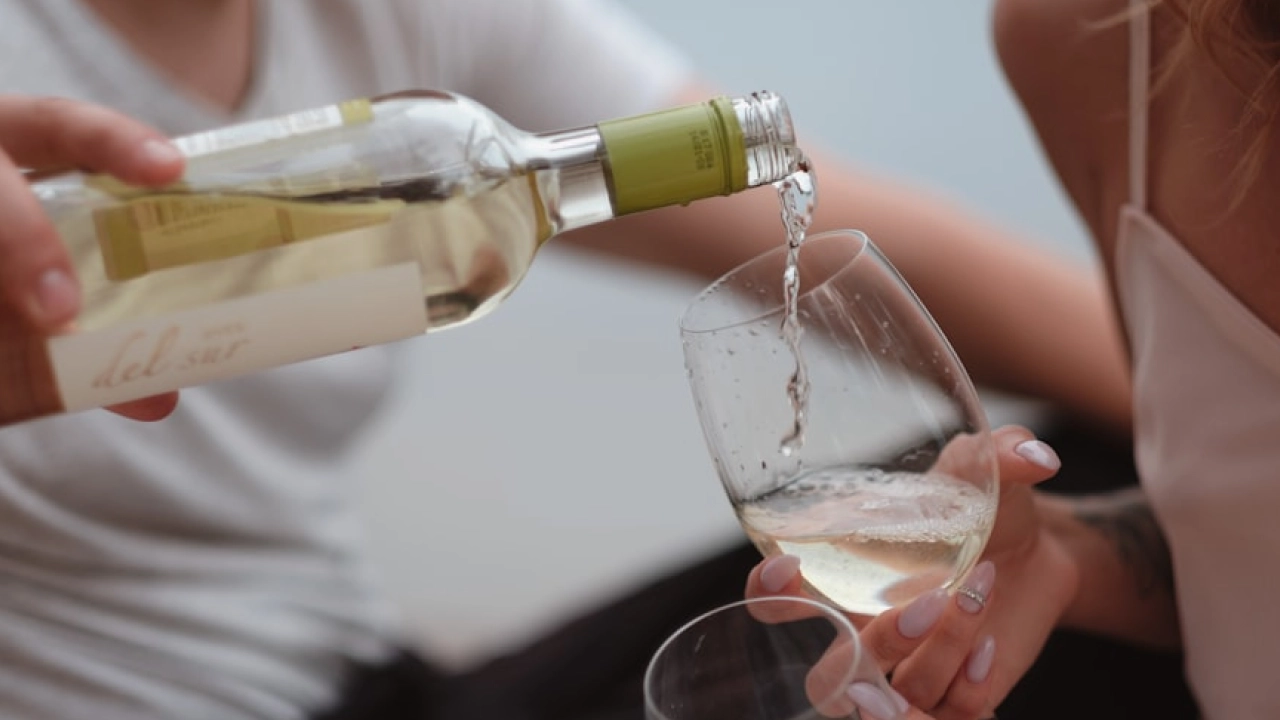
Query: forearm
pixel 1125 572
pixel 1020 319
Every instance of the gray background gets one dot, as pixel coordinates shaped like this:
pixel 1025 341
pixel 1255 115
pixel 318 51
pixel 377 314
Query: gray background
pixel 527 473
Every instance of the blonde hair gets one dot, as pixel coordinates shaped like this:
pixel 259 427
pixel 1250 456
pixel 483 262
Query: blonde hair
pixel 1242 39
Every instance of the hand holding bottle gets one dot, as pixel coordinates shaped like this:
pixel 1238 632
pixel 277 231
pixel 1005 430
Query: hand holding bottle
pixel 39 291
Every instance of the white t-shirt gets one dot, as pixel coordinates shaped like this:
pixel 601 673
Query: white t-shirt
pixel 210 566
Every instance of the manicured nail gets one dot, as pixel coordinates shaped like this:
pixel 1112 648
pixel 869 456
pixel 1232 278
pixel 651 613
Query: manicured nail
pixel 922 613
pixel 1038 453
pixel 872 702
pixel 972 595
pixel 55 298
pixel 160 152
pixel 979 665
pixel 778 571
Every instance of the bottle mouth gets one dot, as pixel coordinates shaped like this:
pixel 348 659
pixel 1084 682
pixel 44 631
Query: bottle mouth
pixel 768 136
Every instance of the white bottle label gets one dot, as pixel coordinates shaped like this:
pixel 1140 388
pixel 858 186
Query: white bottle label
pixel 147 357
pixel 256 132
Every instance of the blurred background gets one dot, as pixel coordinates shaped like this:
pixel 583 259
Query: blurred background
pixel 549 458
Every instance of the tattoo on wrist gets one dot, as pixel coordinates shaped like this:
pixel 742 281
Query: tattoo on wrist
pixel 1126 520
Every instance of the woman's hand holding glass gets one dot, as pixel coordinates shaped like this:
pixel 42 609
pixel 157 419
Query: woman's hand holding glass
pixel 957 654
pixel 884 506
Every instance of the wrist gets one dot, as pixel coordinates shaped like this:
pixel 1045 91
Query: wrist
pixel 1122 577
pixel 1062 557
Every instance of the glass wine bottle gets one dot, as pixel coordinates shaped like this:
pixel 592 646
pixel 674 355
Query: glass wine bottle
pixel 346 226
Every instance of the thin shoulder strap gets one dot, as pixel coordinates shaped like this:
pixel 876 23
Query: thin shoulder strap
pixel 1139 92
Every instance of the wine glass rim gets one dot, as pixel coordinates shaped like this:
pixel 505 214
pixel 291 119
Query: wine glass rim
pixel 842 623
pixel 689 327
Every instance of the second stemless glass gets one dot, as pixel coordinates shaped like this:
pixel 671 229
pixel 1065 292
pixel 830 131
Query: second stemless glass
pixel 774 658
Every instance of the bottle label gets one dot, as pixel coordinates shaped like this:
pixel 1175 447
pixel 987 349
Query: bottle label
pixel 233 137
pixel 164 231
pixel 152 231
pixel 27 389
pixel 155 355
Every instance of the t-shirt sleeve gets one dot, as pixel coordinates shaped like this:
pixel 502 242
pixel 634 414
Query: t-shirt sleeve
pixel 551 64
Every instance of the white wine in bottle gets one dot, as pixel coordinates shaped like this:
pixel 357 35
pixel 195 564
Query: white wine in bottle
pixel 347 226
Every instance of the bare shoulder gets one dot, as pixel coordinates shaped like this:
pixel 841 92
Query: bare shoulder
pixel 1057 53
pixel 1067 61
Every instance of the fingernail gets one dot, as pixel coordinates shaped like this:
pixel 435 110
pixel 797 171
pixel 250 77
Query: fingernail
pixel 871 701
pixel 778 571
pixel 922 613
pixel 980 661
pixel 56 297
pixel 898 700
pixel 1038 453
pixel 979 583
pixel 160 152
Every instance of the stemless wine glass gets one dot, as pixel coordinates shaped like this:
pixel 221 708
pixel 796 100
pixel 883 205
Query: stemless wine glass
pixel 892 489
pixel 774 658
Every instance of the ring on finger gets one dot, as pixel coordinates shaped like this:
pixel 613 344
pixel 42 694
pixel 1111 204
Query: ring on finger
pixel 976 597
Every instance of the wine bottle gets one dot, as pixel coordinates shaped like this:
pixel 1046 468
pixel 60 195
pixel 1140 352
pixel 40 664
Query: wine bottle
pixel 346 226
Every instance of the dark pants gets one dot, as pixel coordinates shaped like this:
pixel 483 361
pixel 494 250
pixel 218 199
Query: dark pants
pixel 592 668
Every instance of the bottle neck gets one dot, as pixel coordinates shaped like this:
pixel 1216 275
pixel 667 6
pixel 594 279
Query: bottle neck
pixel 574 183
pixel 670 157
pixel 768 138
